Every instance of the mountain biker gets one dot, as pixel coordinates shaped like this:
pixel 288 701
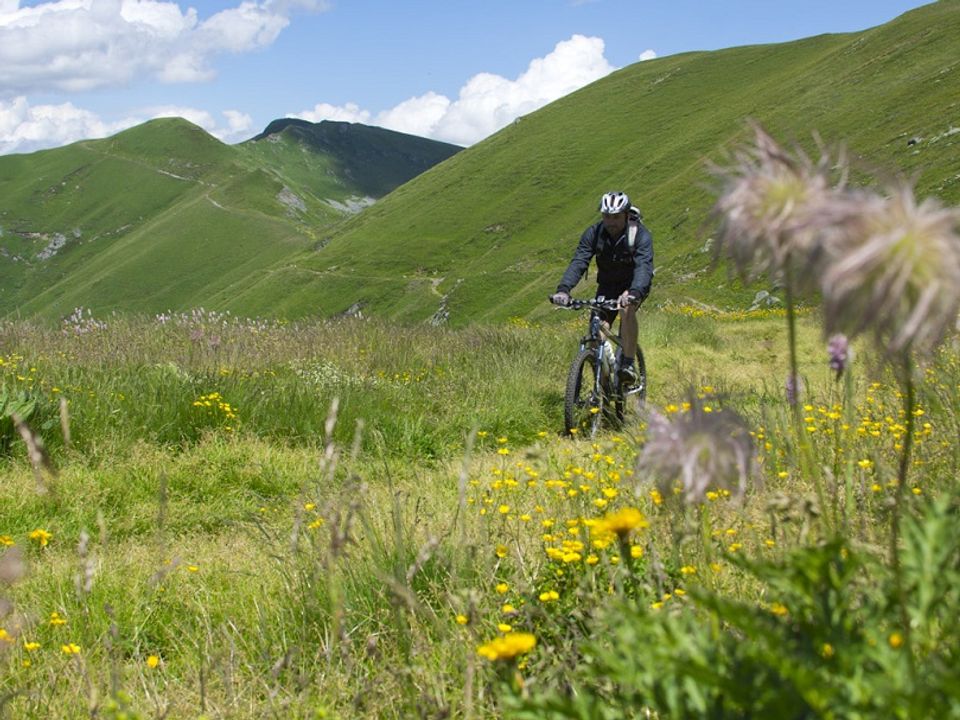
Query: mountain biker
pixel 623 248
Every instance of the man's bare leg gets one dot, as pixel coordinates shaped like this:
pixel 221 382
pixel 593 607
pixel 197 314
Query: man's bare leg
pixel 628 331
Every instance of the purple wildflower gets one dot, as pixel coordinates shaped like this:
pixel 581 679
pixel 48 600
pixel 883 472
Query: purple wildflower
pixel 838 348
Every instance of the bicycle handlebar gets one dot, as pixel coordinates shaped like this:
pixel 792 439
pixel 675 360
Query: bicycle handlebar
pixel 577 304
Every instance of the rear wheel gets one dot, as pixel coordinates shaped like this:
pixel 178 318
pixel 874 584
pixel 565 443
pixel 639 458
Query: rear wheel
pixel 583 403
pixel 633 397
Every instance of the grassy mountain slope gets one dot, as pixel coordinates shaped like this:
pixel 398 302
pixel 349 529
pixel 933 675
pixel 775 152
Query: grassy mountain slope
pixel 165 216
pixel 492 228
pixel 368 159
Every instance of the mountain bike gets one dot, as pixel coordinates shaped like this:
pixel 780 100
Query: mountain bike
pixel 595 393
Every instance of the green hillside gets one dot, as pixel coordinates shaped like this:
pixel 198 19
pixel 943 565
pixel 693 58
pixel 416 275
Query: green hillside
pixel 488 232
pixel 164 216
pixel 179 219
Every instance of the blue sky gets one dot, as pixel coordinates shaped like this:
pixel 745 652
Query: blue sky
pixel 455 71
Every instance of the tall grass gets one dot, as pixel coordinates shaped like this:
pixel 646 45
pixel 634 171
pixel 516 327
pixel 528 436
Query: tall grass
pixel 293 562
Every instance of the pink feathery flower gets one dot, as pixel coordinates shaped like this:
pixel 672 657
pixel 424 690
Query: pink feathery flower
pixel 774 209
pixel 895 271
pixel 703 448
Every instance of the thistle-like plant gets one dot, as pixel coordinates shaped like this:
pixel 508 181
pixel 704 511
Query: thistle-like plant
pixel 894 271
pixel 704 448
pixel 773 209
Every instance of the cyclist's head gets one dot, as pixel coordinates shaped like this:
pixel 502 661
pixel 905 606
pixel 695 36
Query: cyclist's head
pixel 614 207
pixel 614 203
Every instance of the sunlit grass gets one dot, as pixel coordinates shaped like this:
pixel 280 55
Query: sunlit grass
pixel 247 566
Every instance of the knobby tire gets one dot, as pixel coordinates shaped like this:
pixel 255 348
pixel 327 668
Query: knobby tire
pixel 627 404
pixel 579 394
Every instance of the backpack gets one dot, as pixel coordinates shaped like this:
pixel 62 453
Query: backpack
pixel 634 219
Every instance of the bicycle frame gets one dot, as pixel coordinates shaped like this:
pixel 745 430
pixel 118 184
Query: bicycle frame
pixel 600 334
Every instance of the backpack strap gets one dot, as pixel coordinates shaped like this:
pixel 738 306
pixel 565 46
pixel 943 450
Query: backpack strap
pixel 634 217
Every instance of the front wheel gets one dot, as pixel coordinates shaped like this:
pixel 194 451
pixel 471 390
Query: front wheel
pixel 583 401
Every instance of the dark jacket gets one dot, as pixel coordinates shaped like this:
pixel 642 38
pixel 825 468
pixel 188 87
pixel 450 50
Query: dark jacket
pixel 619 267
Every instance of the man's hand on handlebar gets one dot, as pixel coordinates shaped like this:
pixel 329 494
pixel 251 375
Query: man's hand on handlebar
pixel 627 299
pixel 560 298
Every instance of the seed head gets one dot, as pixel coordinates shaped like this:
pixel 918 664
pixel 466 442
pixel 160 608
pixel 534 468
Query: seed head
pixel 895 271
pixel 771 208
pixel 703 450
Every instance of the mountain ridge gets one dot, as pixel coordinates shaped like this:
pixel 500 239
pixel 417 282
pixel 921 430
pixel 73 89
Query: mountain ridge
pixel 485 234
pixel 159 215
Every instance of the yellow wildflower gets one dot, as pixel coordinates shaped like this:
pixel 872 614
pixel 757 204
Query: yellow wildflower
pixel 778 609
pixel 507 647
pixel 622 522
pixel 41 536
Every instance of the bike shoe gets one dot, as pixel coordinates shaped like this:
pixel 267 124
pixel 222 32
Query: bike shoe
pixel 628 375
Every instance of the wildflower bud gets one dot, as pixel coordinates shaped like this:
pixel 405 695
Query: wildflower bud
pixel 838 348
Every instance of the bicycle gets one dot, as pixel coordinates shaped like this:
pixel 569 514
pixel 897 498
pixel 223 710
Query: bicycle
pixel 595 391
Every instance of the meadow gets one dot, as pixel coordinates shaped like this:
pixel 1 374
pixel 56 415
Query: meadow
pixel 239 519
pixel 207 516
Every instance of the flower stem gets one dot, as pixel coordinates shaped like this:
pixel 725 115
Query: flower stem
pixel 794 380
pixel 909 398
pixel 806 461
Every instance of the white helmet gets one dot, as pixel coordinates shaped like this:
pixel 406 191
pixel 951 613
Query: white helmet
pixel 614 202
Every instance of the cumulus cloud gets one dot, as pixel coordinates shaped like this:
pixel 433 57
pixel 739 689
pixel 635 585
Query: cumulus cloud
pixel 324 111
pixel 487 102
pixel 75 45
pixel 648 55
pixel 25 127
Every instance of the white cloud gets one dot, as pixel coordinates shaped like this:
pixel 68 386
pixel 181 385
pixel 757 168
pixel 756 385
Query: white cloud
pixel 238 123
pixel 25 127
pixel 416 115
pixel 323 111
pixel 83 44
pixel 237 127
pixel 487 102
pixel 648 55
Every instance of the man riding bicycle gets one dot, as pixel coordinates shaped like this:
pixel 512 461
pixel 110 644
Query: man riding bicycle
pixel 624 250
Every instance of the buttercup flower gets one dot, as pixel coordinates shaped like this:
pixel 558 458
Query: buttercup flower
pixel 621 522
pixel 508 647
pixel 41 536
